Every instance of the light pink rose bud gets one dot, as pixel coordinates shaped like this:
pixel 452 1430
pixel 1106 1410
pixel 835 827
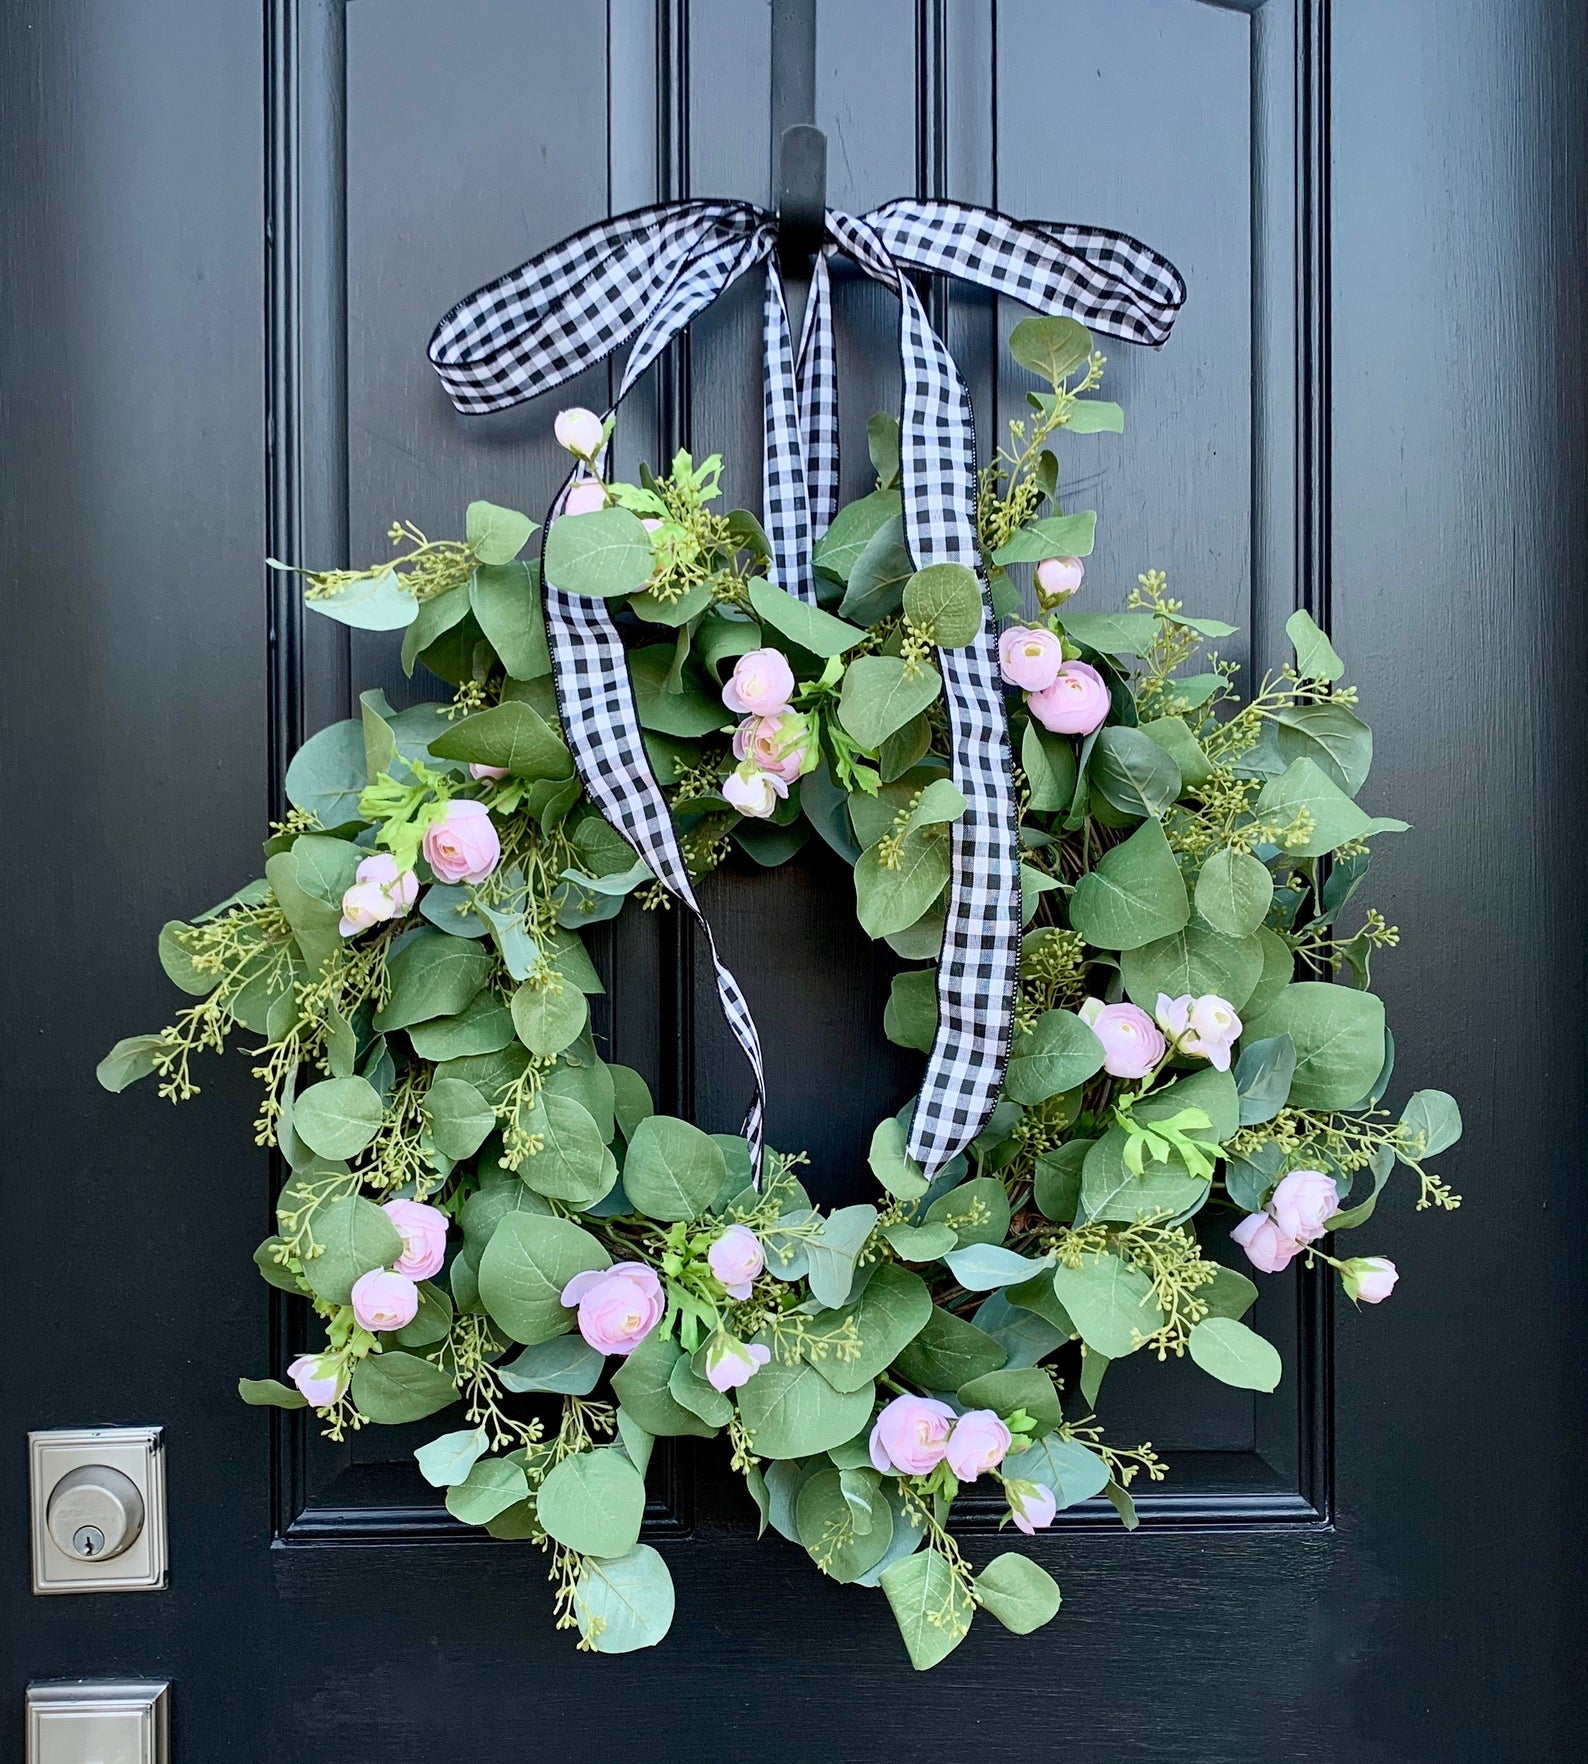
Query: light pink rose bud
pixel 781 745
pixel 736 1258
pixel 363 905
pixel 1303 1204
pixel 1267 1248
pixel 1369 1279
pixel 911 1435
pixel 979 1441
pixel 1132 1046
pixel 652 524
pixel 584 498
pixel 754 792
pixel 480 773
pixel 424 1233
pixel 730 1363
pixel 761 684
pixel 1206 1027
pixel 1031 1505
pixel 1030 657
pixel 383 1300
pixel 1075 704
pixel 1058 578
pixel 618 1306
pixel 462 846
pixel 320 1378
pixel 579 430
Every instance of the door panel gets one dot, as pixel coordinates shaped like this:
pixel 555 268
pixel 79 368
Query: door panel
pixel 225 249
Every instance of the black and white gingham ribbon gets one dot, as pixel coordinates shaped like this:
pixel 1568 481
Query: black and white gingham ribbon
pixel 644 276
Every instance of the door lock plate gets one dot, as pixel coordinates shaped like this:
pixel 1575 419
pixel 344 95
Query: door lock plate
pixel 98 1504
pixel 76 1723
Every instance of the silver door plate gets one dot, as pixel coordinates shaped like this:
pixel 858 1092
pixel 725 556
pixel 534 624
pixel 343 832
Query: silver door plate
pixel 121 1723
pixel 137 1453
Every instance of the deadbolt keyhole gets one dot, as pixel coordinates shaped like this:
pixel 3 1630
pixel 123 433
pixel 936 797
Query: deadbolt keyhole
pixel 88 1540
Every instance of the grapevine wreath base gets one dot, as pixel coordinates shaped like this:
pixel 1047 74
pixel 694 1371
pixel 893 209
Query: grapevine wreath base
pixel 487 1222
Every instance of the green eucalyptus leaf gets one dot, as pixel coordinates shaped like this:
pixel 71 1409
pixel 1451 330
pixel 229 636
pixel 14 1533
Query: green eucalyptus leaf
pixel 496 535
pixel 881 694
pixel 337 1117
pixel 946 600
pixel 1234 892
pixel 593 1503
pixel 1234 1354
pixel 1056 1054
pixel 624 1604
pixel 1135 896
pixel 801 623
pixel 672 1171
pixel 393 1388
pixel 919 1590
pixel 604 554
pixel 791 1411
pixel 524 1268
pixel 1019 1594
pixel 1339 1039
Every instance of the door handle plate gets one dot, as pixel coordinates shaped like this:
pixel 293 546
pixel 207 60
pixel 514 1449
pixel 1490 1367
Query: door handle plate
pixel 119 1723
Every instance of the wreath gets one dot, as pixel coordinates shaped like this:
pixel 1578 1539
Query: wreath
pixel 481 1213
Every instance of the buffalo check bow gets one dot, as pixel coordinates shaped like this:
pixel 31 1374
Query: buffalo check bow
pixel 644 276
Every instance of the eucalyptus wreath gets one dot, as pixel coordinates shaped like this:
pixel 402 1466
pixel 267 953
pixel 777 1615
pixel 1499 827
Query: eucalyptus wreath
pixel 484 1217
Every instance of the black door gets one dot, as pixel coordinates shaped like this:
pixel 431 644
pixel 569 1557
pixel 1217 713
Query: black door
pixel 227 235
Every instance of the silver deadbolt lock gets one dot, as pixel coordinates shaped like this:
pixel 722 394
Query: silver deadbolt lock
pixel 98 1510
pixel 95 1512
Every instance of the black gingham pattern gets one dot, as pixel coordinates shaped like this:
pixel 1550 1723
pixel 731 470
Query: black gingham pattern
pixel 645 276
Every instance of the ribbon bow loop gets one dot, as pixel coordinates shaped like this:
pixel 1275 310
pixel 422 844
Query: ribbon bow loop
pixel 640 278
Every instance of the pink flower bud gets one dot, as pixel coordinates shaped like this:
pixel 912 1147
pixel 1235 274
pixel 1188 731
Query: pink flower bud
pixel 579 430
pixel 1303 1204
pixel 1132 1046
pixel 320 1378
pixel 618 1306
pixel 424 1233
pixel 1369 1280
pixel 379 892
pixel 1031 1505
pixel 462 844
pixel 730 1363
pixel 911 1435
pixel 1030 656
pixel 1267 1248
pixel 1058 578
pixel 1075 704
pixel 480 773
pixel 1206 1027
pixel 736 1257
pixel 383 1300
pixel 782 745
pixel 761 685
pixel 979 1441
pixel 584 498
pixel 753 792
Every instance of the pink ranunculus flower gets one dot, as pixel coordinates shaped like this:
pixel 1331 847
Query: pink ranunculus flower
pixel 379 892
pixel 579 430
pixel 782 745
pixel 364 904
pixel 1058 578
pixel 584 498
pixel 462 846
pixel 761 684
pixel 1132 1045
pixel 424 1233
pixel 618 1306
pixel 754 792
pixel 320 1378
pixel 1303 1203
pixel 1030 656
pixel 1369 1280
pixel 979 1442
pixel 480 773
pixel 736 1257
pixel 384 1300
pixel 1267 1248
pixel 1206 1027
pixel 911 1435
pixel 1031 1505
pixel 730 1362
pixel 1075 704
